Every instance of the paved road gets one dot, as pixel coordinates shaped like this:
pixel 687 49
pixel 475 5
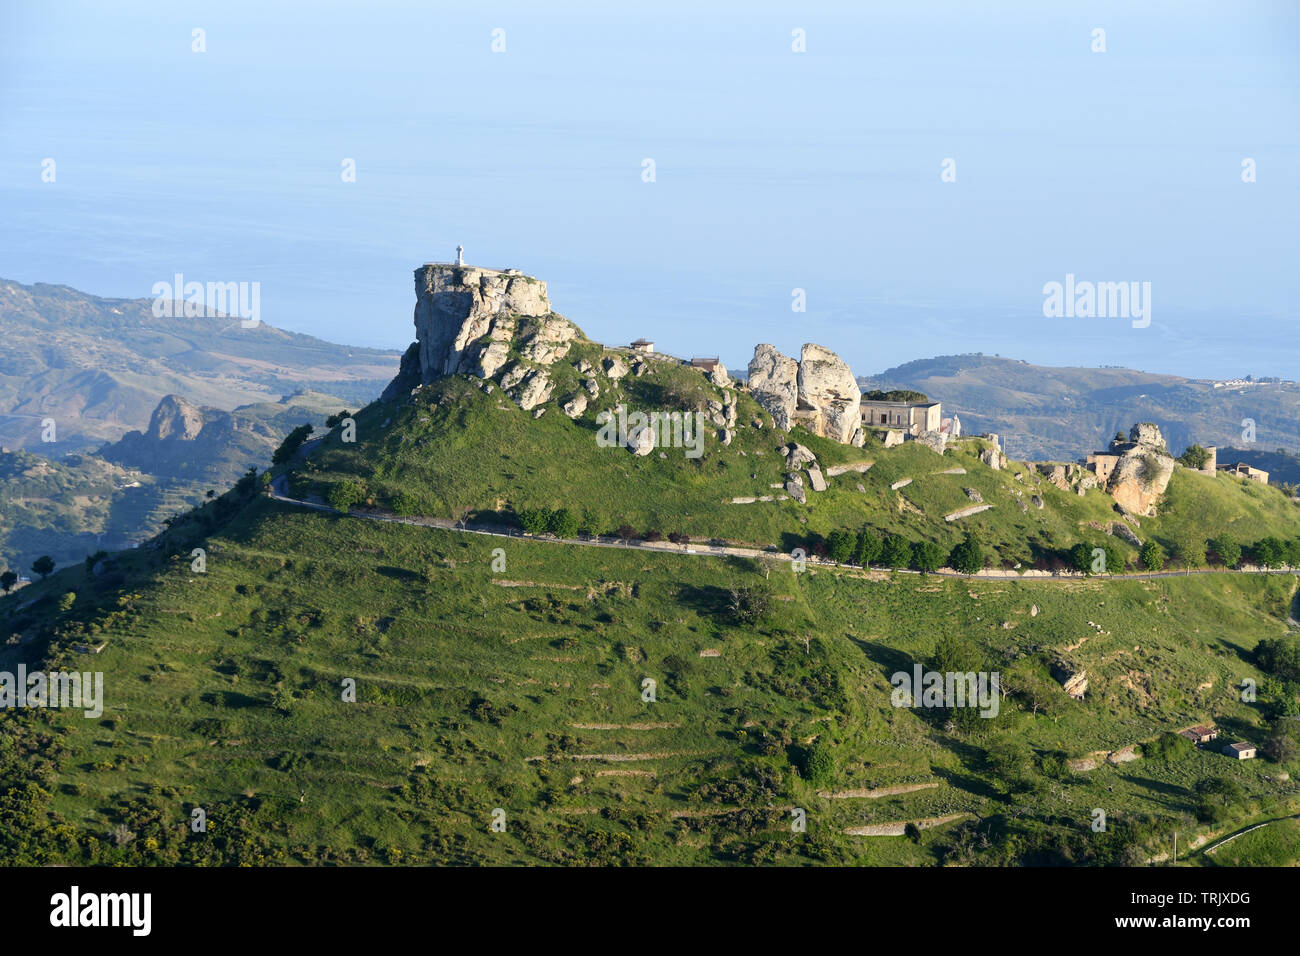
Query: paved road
pixel 279 492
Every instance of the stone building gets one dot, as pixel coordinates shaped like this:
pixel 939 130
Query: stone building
pixel 1243 470
pixel 911 417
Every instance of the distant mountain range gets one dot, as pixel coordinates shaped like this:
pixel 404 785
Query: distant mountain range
pixel 99 367
pixel 149 413
pixel 1045 413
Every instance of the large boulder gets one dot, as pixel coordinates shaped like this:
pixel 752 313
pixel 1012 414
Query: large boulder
pixel 774 383
pixel 828 396
pixel 1141 474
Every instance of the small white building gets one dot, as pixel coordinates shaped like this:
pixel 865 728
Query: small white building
pixel 643 345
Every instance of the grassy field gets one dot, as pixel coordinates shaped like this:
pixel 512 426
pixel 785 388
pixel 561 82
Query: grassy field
pixel 520 688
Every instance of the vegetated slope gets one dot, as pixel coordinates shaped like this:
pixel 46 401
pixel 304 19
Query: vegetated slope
pixel 451 450
pixel 81 504
pixel 99 366
pixel 1048 413
pixel 522 688
pixel 70 508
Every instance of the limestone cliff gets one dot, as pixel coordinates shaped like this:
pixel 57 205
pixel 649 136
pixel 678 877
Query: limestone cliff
pixel 467 319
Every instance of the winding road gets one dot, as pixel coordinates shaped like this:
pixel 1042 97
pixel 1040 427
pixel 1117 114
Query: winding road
pixel 278 491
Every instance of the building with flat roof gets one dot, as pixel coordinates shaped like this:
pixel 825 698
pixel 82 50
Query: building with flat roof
pixel 913 418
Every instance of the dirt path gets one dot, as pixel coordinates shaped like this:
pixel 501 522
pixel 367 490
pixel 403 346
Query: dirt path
pixel 900 827
pixel 876 793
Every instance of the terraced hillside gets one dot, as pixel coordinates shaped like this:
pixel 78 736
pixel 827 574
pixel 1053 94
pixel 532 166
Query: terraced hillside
pixel 328 688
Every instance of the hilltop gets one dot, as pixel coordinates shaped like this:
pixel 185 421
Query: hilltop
pixel 612 704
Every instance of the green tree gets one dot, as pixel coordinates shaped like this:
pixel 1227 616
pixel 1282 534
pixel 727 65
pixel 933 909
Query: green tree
pixel 1081 557
pixel 1268 552
pixel 337 418
pixel 1190 550
pixel 1194 457
pixel 562 523
pixel 869 547
pixel 1228 550
pixel 43 566
pixel 535 520
pixel 897 552
pixel 292 442
pixel 8 580
pixel 68 599
pixel 1152 556
pixel 968 555
pixel 840 546
pixel 927 556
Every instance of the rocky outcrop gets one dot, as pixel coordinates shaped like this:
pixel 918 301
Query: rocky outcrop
pixel 818 392
pixel 936 441
pixel 773 381
pixel 1143 470
pixel 828 399
pixel 466 318
pixel 576 405
pixel 175 418
pixel 534 389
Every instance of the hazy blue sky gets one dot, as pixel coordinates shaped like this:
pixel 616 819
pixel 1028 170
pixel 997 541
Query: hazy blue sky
pixel 775 170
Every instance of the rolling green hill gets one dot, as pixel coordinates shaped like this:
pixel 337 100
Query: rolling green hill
pixel 332 689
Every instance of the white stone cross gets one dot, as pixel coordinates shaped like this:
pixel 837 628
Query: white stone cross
pixel 460 255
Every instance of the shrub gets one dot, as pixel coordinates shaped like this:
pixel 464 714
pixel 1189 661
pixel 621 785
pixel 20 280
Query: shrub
pixel 653 535
pixel 1168 747
pixel 626 532
pixel 818 765
pixel 344 494
pixel 68 599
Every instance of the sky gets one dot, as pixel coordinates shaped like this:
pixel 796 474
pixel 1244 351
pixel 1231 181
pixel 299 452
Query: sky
pixel 522 131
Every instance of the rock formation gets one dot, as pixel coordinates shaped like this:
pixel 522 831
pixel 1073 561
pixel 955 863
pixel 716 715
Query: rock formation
pixel 829 399
pixel 773 381
pixel 466 320
pixel 175 418
pixel 818 391
pixel 1142 472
